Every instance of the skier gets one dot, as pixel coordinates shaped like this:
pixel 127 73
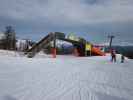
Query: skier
pixel 122 58
pixel 113 55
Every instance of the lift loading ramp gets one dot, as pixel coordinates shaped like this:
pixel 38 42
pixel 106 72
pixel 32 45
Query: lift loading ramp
pixel 52 37
pixel 47 39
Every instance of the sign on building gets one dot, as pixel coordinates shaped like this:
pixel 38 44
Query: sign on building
pixel 88 47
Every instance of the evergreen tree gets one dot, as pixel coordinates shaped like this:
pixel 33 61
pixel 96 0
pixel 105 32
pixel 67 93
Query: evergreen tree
pixel 10 38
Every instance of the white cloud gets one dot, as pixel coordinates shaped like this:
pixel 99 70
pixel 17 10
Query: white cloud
pixel 97 15
pixel 68 12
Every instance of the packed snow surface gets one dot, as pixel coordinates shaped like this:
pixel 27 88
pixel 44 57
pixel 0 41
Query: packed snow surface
pixel 64 78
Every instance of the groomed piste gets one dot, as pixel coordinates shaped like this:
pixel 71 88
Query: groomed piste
pixel 64 78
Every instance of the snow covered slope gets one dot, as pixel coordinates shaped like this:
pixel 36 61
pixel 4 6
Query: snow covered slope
pixel 65 78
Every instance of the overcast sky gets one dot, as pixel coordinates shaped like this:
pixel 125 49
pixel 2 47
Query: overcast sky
pixel 92 19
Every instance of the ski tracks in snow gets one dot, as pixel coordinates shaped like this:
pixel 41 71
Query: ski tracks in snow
pixel 65 79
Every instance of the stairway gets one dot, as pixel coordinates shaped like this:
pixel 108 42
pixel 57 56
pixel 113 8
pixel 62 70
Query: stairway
pixel 39 45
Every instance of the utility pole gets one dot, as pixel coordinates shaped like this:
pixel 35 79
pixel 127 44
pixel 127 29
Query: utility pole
pixel 111 39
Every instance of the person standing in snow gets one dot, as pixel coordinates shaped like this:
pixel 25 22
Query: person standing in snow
pixel 122 58
pixel 113 55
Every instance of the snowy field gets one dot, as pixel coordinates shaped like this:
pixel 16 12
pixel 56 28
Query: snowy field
pixel 64 78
